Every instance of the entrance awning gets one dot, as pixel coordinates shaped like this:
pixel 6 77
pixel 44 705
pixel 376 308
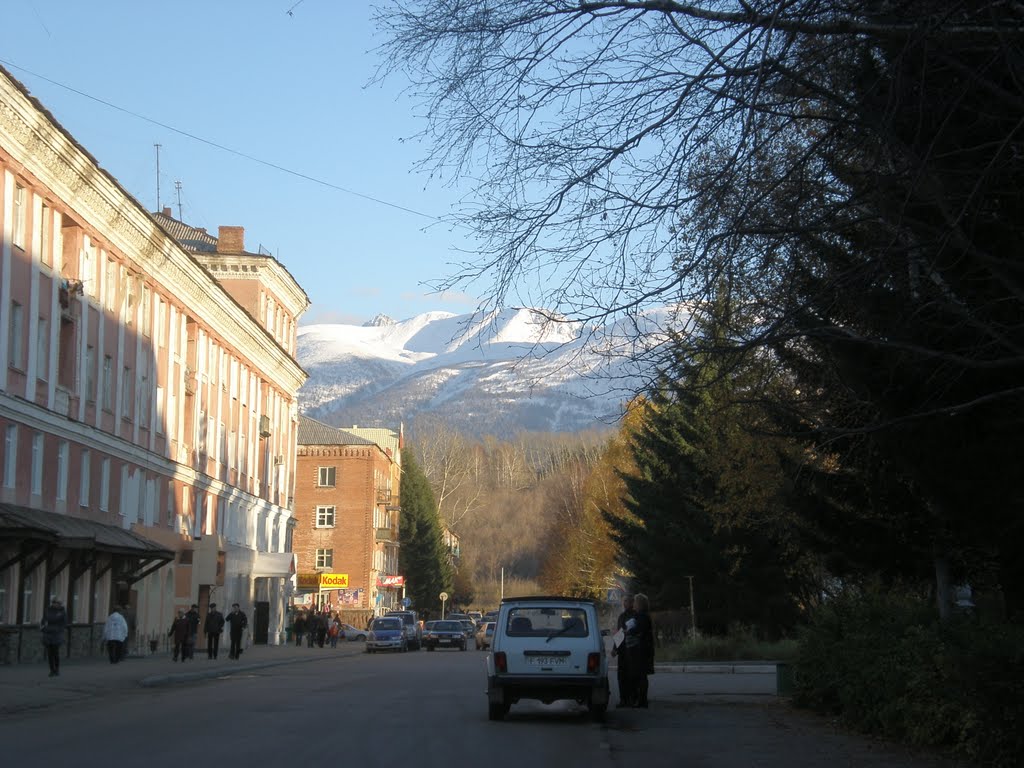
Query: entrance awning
pixel 274 565
pixel 38 527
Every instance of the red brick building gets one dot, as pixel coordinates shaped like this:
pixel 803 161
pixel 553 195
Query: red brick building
pixel 347 518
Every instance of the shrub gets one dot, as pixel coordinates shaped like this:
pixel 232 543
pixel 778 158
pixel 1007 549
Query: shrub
pixel 886 665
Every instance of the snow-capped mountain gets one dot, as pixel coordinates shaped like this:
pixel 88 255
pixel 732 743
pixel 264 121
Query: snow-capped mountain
pixel 498 374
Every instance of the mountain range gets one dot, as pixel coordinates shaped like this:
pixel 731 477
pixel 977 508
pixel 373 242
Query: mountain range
pixel 497 374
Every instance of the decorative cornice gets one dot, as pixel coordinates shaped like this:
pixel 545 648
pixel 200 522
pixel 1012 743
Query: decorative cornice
pixel 97 200
pixel 266 269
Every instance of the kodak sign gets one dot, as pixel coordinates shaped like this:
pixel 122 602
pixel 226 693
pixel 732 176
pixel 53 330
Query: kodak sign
pixel 322 580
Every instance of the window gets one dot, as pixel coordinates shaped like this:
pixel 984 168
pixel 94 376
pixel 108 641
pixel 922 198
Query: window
pixel 325 517
pixel 5 588
pixel 108 389
pixel 83 479
pixel 127 394
pixel 37 464
pixel 18 235
pixel 14 333
pixel 327 475
pixel 42 349
pixel 26 598
pixel 325 558
pixel 62 471
pixel 90 373
pixel 105 485
pixel 10 454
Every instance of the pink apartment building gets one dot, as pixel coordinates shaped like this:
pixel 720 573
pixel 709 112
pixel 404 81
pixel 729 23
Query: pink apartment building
pixel 148 414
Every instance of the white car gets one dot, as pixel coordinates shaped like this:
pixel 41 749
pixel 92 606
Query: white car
pixel 548 649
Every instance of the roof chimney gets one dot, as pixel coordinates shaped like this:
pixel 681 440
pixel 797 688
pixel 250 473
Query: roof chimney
pixel 230 239
pixel 167 211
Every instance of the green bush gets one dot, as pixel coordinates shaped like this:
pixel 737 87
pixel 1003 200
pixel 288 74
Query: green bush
pixel 885 665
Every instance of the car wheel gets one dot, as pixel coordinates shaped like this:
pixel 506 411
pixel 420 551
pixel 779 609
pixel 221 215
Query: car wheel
pixel 463 647
pixel 597 712
pixel 430 648
pixel 497 711
pixel 361 638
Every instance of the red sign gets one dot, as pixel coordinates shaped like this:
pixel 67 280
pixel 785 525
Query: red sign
pixel 391 581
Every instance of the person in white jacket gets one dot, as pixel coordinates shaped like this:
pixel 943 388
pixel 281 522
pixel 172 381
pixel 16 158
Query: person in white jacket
pixel 115 632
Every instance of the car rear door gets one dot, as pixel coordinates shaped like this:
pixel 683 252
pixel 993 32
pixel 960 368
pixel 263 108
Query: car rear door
pixel 547 640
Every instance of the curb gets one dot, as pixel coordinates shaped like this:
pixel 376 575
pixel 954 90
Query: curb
pixel 724 669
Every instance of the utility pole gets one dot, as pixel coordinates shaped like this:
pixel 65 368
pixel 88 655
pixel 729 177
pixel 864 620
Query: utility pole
pixel 157 176
pixel 503 582
pixel 177 186
pixel 693 612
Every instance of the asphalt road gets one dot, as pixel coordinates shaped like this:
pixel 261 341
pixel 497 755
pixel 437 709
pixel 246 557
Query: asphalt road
pixel 429 709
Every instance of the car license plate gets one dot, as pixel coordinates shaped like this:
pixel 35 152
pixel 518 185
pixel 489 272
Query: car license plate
pixel 547 661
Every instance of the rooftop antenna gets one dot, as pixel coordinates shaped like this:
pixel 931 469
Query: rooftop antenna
pixel 177 186
pixel 157 176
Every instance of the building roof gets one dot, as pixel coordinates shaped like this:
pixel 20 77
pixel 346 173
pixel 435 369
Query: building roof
pixel 387 439
pixel 190 238
pixel 313 432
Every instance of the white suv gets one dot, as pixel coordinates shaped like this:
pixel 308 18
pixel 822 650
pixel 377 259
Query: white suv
pixel 547 648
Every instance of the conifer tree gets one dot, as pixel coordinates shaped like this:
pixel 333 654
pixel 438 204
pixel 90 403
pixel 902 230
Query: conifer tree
pixel 423 557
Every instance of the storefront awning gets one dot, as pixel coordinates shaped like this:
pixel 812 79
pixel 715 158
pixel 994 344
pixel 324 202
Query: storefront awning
pixel 26 525
pixel 274 565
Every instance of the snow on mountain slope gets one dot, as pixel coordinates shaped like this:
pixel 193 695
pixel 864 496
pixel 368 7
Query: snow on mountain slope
pixel 500 373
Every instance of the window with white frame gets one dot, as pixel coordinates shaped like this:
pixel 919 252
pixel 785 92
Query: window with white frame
pixel 37 464
pixel 83 478
pixel 10 456
pixel 18 233
pixel 325 558
pixel 42 349
pixel 15 347
pixel 105 485
pixel 326 476
pixel 62 471
pixel 325 517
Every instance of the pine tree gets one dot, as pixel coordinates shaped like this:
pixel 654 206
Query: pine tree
pixel 423 557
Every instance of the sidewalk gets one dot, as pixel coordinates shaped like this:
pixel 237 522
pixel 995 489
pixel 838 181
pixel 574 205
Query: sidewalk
pixel 26 687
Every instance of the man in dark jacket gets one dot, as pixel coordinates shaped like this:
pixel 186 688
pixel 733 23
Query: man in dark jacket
pixel 54 625
pixel 179 634
pixel 237 622
pixel 626 692
pixel 192 617
pixel 213 626
pixel 640 648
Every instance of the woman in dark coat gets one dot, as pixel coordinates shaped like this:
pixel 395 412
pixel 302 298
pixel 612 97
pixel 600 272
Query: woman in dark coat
pixel 639 642
pixel 54 626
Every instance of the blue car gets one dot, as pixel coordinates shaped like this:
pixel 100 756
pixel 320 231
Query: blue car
pixel 387 633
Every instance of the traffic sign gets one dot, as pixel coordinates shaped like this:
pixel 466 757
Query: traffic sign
pixel 444 596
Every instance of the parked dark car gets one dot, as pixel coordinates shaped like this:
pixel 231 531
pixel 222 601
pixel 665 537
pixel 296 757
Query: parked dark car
pixel 444 634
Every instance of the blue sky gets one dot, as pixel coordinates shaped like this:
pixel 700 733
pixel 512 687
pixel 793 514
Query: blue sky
pixel 288 90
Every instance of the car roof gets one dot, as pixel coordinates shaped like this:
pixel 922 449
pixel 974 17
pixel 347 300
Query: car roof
pixel 548 599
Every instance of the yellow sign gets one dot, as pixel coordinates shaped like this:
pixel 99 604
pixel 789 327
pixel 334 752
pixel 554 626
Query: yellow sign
pixel 322 580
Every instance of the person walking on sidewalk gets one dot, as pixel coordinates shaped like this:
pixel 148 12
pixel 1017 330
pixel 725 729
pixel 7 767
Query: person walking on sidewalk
pixel 640 649
pixel 625 679
pixel 237 622
pixel 54 625
pixel 213 626
pixel 192 617
pixel 115 632
pixel 179 633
